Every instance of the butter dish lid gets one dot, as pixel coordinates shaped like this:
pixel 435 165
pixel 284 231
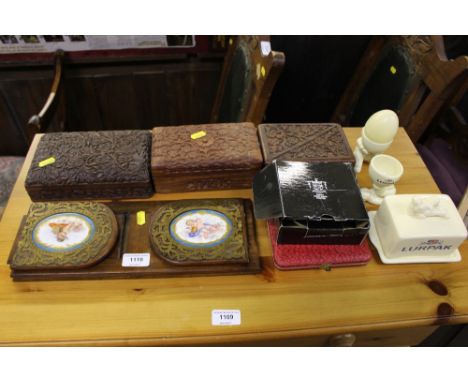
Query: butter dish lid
pixel 453 257
pixel 417 228
pixel 420 215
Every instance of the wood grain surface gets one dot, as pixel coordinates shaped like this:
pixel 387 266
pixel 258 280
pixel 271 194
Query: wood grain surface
pixel 275 305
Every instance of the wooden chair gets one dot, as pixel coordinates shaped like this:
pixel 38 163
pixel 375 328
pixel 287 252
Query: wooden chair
pixel 248 77
pixel 457 133
pixel 408 74
pixel 10 166
pixel 463 208
pixel 54 105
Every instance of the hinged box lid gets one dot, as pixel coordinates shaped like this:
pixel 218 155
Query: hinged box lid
pixel 91 165
pixel 308 142
pixel 194 149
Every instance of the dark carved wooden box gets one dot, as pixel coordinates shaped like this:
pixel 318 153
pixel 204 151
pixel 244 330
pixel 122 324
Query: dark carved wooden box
pixel 91 165
pixel 205 157
pixel 305 142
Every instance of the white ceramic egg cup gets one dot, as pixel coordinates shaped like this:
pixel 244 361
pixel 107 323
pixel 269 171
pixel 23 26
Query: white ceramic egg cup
pixel 385 171
pixel 376 136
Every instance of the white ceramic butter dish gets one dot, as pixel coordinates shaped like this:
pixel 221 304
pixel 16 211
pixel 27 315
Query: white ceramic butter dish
pixel 417 228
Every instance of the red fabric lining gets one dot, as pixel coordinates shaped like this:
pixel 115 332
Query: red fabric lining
pixel 299 256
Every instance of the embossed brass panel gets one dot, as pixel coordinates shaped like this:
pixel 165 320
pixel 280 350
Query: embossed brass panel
pixel 200 232
pixel 91 227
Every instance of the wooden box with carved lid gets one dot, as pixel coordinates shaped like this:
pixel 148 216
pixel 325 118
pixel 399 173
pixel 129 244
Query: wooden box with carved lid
pixel 205 157
pixel 91 165
pixel 304 142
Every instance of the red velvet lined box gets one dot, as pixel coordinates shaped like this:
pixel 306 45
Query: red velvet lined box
pixel 306 256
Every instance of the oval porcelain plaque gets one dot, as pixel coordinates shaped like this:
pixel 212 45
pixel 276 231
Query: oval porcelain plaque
pixel 63 232
pixel 201 228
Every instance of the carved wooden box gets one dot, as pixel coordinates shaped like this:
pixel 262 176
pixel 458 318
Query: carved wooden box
pixel 205 157
pixel 91 165
pixel 305 142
